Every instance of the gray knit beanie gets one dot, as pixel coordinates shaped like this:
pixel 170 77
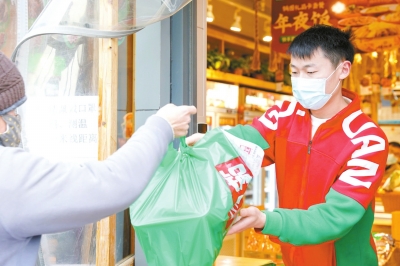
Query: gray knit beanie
pixel 12 89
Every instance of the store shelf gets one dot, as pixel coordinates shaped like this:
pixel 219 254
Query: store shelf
pixel 247 81
pixel 246 43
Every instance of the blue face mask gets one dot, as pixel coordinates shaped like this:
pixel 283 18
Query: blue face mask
pixel 310 93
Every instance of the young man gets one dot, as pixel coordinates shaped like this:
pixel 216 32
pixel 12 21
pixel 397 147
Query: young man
pixel 39 197
pixel 329 156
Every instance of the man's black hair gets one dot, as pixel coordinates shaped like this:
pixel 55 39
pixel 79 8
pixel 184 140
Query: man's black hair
pixel 334 43
pixel 394 144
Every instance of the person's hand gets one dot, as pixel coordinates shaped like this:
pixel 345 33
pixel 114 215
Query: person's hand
pixel 193 139
pixel 178 117
pixel 250 217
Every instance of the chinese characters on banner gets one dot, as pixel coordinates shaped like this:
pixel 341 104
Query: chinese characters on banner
pixel 375 23
pixel 62 128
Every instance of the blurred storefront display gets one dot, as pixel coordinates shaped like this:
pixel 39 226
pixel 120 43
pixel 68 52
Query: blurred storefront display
pixel 222 105
pixel 373 23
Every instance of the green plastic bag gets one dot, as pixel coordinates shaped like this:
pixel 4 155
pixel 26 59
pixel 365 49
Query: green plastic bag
pixel 185 211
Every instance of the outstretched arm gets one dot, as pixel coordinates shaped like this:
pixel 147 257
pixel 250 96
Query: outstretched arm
pixel 38 196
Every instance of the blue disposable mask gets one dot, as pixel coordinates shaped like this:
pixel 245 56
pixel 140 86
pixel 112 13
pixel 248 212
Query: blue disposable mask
pixel 310 93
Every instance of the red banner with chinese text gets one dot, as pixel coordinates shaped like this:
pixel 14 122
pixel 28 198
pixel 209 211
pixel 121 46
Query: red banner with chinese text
pixel 375 23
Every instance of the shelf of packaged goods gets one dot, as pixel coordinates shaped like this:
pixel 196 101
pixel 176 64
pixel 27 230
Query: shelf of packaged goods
pixel 220 76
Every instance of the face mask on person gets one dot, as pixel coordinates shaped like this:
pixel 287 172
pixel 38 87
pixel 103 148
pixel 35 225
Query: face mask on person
pixel 12 138
pixel 391 159
pixel 310 93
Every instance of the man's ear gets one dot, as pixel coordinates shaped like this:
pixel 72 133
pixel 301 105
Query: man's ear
pixel 345 70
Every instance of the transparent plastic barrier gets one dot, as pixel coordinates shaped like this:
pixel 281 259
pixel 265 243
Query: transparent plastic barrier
pixel 59 61
pixel 84 18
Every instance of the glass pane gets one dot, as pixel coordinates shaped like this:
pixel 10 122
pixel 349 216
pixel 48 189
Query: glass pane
pixel 74 247
pixel 8 27
pixel 270 190
pixel 12 26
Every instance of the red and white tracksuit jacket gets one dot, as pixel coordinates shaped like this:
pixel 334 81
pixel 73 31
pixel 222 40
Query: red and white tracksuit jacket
pixel 326 184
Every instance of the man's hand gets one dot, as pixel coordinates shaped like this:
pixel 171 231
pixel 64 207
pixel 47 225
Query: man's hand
pixel 193 139
pixel 178 117
pixel 251 217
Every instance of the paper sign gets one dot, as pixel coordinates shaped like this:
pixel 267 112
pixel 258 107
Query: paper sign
pixel 61 128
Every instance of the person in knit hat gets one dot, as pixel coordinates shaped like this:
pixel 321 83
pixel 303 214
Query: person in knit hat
pixel 12 95
pixel 42 197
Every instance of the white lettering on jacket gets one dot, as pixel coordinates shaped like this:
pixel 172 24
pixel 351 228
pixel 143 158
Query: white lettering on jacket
pixel 274 113
pixel 349 176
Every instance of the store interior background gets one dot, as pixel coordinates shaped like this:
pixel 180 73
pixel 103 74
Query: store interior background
pixel 236 94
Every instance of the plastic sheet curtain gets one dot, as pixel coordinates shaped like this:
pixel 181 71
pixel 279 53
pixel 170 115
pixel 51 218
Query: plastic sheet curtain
pixel 82 17
pixel 59 60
